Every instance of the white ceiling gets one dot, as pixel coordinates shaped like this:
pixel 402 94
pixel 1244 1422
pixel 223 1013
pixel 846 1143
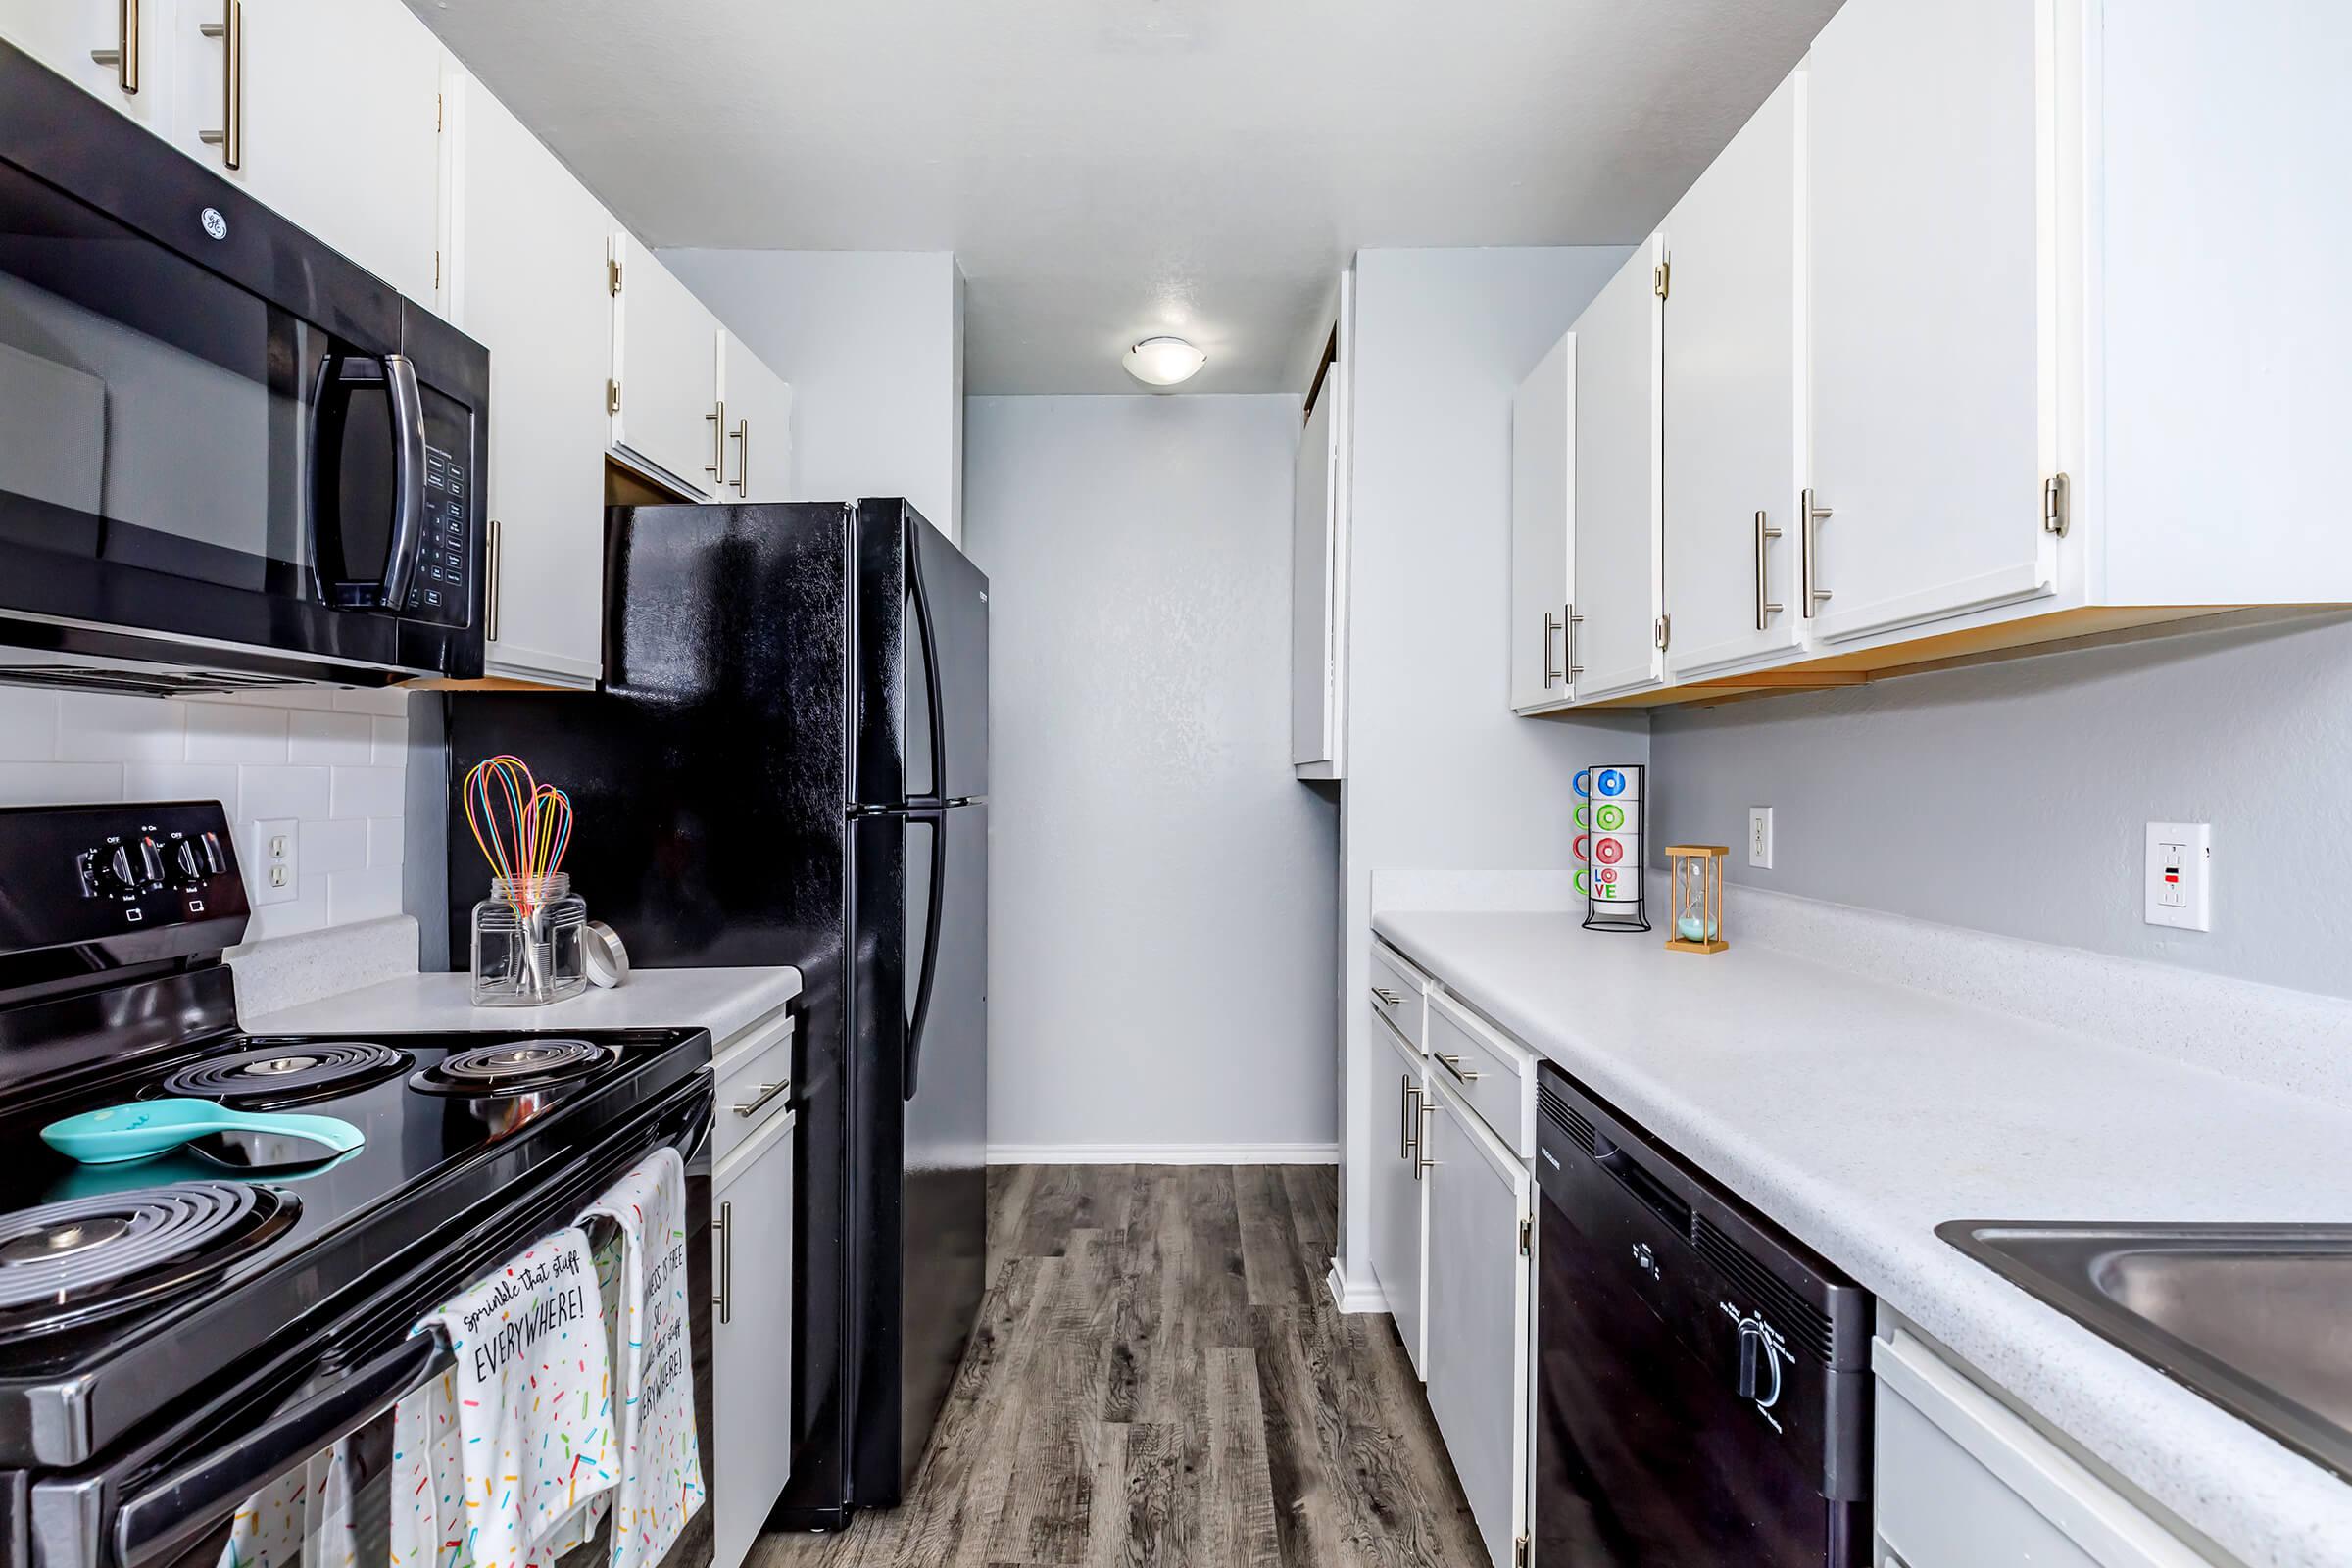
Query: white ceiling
pixel 1109 168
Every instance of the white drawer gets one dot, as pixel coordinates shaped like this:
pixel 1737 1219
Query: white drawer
pixel 755 1082
pixel 1485 1072
pixel 1399 994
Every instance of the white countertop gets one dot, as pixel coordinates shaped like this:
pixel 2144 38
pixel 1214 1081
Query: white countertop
pixel 726 1002
pixel 1861 1114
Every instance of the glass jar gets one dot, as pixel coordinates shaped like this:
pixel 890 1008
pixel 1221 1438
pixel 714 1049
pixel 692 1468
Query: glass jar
pixel 527 947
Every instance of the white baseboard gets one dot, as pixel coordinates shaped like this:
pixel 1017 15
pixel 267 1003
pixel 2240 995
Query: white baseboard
pixel 1357 1296
pixel 1163 1154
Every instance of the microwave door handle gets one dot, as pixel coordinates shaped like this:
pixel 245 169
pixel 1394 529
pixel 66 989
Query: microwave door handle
pixel 169 1516
pixel 408 478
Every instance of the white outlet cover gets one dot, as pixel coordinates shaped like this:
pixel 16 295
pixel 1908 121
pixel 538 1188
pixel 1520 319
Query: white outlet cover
pixel 2178 881
pixel 1759 837
pixel 271 872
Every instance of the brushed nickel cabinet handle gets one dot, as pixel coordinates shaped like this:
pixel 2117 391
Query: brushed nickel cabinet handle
pixel 1551 624
pixel 1574 668
pixel 1412 1092
pixel 761 1093
pixel 1422 1163
pixel 125 56
pixel 230 138
pixel 1765 608
pixel 743 459
pixel 1454 1065
pixel 716 468
pixel 1815 594
pixel 1387 997
pixel 498 556
pixel 724 1300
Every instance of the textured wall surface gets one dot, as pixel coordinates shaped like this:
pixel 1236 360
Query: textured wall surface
pixel 335 762
pixel 2015 797
pixel 1161 892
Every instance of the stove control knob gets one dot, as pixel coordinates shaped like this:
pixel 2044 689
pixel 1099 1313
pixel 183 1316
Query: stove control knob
pixel 150 860
pixel 215 862
pixel 111 869
pixel 187 863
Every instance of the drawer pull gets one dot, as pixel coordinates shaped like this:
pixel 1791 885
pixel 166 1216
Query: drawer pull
pixel 761 1096
pixel 1454 1065
pixel 1387 997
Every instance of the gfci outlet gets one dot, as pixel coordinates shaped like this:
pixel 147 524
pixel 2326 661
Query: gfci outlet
pixel 270 874
pixel 1759 837
pixel 2180 875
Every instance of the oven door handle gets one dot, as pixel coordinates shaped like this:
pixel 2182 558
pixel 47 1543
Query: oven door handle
pixel 176 1511
pixel 408 479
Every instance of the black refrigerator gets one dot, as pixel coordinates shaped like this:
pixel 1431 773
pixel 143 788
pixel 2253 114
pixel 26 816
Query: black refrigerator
pixel 788 764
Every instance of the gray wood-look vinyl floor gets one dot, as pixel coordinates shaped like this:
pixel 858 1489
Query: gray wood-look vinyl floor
pixel 1158 1378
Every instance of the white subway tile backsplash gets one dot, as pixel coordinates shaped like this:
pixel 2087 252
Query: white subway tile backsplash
pixel 391 742
pixel 27 724
pixel 336 739
pixel 389 701
pixel 100 727
pixel 59 783
pixel 387 838
pixel 369 791
pixel 368 894
pixel 235 732
pixel 305 911
pixel 296 792
pixel 182 781
pixel 332 846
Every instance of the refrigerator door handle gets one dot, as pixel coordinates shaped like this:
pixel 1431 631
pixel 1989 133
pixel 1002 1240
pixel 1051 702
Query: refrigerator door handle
pixel 930 968
pixel 922 623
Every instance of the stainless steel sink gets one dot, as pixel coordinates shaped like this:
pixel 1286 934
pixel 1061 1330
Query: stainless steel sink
pixel 2256 1319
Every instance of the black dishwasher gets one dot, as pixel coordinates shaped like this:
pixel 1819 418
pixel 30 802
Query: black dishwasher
pixel 1702 1381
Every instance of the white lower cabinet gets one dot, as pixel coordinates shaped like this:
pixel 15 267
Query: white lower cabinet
pixel 1477 1328
pixel 1399 1197
pixel 751 1356
pixel 1962 1481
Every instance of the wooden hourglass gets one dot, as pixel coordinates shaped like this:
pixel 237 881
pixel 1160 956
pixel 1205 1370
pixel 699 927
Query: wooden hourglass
pixel 1695 905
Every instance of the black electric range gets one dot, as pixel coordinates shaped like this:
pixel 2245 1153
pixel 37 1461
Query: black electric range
pixel 165 1322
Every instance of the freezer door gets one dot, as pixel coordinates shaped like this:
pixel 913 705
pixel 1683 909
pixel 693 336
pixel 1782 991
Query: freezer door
pixel 922 662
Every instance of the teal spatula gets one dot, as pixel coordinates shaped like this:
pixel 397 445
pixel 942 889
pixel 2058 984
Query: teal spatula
pixel 245 1139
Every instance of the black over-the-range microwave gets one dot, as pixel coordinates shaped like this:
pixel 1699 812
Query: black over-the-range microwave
pixel 229 456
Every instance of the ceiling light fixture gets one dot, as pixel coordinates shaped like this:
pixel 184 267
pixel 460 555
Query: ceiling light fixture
pixel 1164 361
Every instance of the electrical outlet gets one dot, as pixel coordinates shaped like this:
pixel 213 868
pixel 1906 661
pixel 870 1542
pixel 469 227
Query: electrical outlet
pixel 2178 890
pixel 271 872
pixel 1759 837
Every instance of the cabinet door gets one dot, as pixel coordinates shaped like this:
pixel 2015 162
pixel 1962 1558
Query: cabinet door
pixel 1478 1316
pixel 1732 381
pixel 62 34
pixel 666 370
pixel 750 1355
pixel 1400 1212
pixel 1929 318
pixel 528 281
pixel 1615 559
pixel 1543 477
pixel 756 413
pixel 1312 584
pixel 337 121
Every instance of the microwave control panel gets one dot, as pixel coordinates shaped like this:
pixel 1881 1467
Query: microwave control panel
pixel 441 588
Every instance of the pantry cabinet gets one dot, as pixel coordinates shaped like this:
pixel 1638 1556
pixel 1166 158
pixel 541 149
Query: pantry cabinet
pixel 64 34
pixel 330 114
pixel 1478 1324
pixel 1543 527
pixel 751 1356
pixel 664 373
pixel 1732 461
pixel 756 414
pixel 1615 561
pixel 528 281
pixel 1399 1197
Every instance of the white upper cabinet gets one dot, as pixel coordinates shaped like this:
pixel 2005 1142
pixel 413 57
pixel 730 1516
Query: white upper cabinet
pixel 1735 384
pixel 1615 557
pixel 665 376
pixel 755 413
pixel 528 281
pixel 329 113
pixel 136 34
pixel 1543 521
pixel 1934 327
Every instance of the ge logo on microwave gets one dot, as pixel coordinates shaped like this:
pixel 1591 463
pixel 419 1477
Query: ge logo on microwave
pixel 216 227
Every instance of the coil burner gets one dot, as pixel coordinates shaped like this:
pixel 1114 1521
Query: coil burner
pixel 287 1072
pixel 516 1067
pixel 66 1264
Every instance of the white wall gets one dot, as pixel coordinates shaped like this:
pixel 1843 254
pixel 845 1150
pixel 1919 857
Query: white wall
pixel 873 343
pixel 1161 900
pixel 1440 774
pixel 2014 797
pixel 336 763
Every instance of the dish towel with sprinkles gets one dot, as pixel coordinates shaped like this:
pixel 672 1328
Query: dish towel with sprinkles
pixel 533 1393
pixel 661 1464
